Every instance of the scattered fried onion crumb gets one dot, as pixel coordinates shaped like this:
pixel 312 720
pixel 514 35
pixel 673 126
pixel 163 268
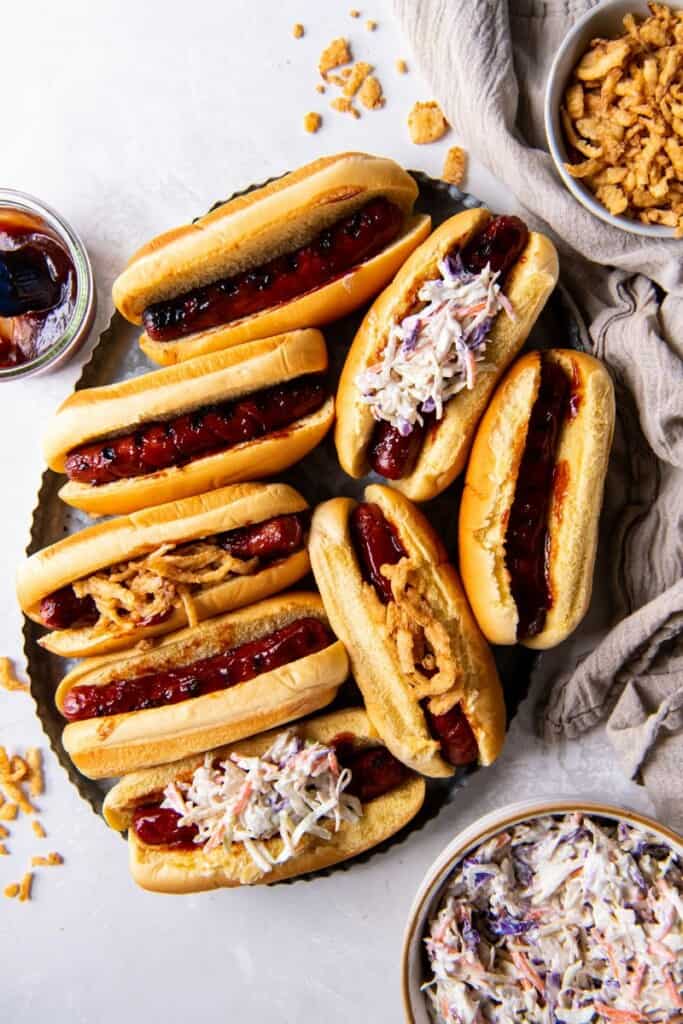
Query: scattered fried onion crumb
pixel 371 25
pixel 36 781
pixel 370 94
pixel 312 121
pixel 11 891
pixel 334 55
pixel 38 829
pixel 8 679
pixel 52 860
pixel 354 13
pixel 15 793
pixel 359 72
pixel 4 832
pixel 401 66
pixel 426 123
pixel 454 165
pixel 298 30
pixel 8 812
pixel 345 106
pixel 25 887
pixel 320 88
pixel 4 852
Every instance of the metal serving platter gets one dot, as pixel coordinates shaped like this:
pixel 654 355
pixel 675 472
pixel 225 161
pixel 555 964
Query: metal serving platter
pixel 318 476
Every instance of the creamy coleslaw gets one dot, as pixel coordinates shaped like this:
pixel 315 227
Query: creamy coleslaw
pixel 561 920
pixel 436 352
pixel 294 789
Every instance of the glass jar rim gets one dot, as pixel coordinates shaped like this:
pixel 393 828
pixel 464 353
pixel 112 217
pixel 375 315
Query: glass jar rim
pixel 83 313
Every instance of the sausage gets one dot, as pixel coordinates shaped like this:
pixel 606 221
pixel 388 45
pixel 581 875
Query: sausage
pixel 271 539
pixel 376 544
pixel 62 609
pixel 211 429
pixel 158 826
pixel 500 244
pixel 526 540
pixel 455 736
pixel 374 772
pixel 219 672
pixel 334 251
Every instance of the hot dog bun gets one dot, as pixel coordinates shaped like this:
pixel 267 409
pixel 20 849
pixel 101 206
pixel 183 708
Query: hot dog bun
pixel 115 744
pixel 180 871
pixel 358 618
pixel 130 537
pixel 105 411
pixel 445 448
pixel 254 228
pixel 583 451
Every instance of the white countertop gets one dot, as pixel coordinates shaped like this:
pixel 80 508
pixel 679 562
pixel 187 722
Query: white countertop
pixel 131 117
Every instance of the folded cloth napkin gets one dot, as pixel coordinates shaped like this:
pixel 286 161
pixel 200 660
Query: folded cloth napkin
pixel 487 62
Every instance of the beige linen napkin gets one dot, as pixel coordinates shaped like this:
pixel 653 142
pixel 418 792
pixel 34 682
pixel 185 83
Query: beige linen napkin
pixel 487 61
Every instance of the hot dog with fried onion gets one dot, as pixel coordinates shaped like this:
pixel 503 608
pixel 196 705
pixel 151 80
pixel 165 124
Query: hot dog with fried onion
pixel 426 673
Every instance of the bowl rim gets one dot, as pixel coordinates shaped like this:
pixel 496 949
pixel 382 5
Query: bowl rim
pixel 482 829
pixel 82 318
pixel 553 132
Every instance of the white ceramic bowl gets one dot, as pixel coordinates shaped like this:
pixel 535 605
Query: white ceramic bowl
pixel 430 892
pixel 603 21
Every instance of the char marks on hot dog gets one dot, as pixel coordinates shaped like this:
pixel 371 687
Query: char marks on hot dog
pixel 332 253
pixel 177 441
pixel 219 672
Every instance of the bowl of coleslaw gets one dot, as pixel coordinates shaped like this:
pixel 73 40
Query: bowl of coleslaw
pixel 549 913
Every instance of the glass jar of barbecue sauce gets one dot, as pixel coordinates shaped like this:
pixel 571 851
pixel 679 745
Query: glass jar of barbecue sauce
pixel 47 294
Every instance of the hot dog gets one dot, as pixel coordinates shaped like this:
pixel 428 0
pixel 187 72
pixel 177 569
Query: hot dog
pixel 178 843
pixel 299 252
pixel 426 673
pixel 412 389
pixel 155 571
pixel 236 415
pixel 531 504
pixel 214 683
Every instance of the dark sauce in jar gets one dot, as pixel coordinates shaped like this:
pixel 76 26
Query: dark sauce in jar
pixel 33 255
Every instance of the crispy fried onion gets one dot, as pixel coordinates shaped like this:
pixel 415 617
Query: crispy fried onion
pixel 422 643
pixel 144 590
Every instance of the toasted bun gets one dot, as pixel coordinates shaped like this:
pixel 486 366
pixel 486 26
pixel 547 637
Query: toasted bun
pixel 446 446
pixel 315 308
pixel 129 537
pixel 357 617
pixel 179 871
pixel 102 412
pixel 115 744
pixel 583 452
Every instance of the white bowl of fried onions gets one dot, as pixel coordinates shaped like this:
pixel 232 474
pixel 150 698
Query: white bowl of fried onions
pixel 549 911
pixel 613 115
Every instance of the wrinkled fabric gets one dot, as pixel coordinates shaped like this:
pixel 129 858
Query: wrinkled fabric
pixel 487 62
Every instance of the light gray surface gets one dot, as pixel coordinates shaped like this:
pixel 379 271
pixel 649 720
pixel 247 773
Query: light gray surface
pixel 131 118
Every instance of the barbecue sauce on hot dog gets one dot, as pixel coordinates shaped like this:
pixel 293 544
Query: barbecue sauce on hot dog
pixel 526 539
pixel 333 252
pixel 376 543
pixel 374 772
pixel 499 245
pixel 272 539
pixel 156 689
pixel 213 428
